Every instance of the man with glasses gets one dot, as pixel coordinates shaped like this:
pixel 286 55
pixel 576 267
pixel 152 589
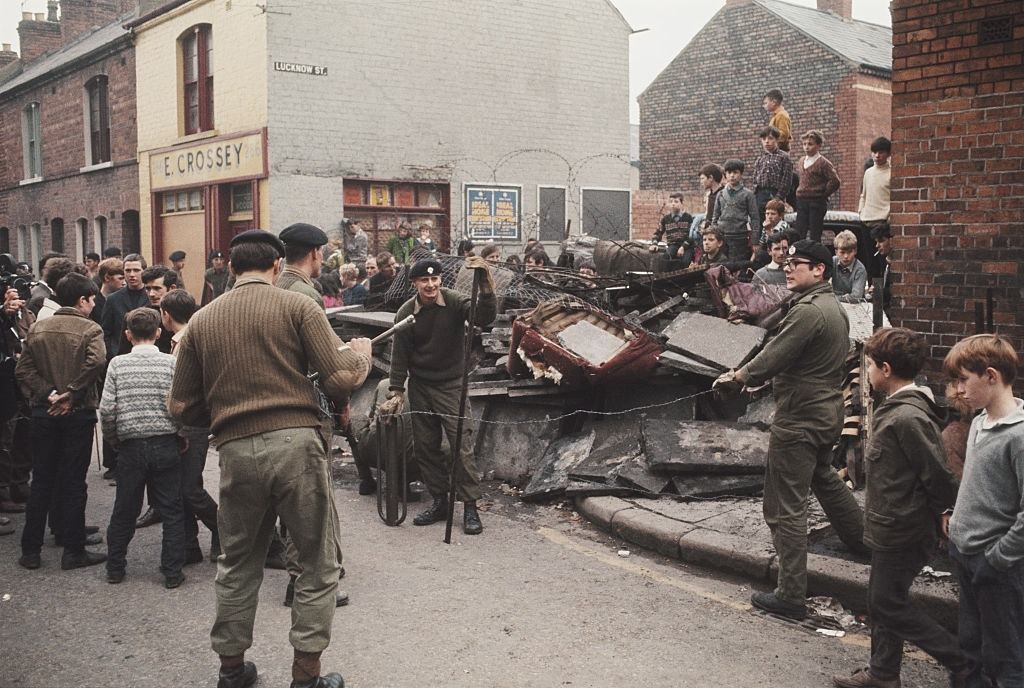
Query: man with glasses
pixel 805 361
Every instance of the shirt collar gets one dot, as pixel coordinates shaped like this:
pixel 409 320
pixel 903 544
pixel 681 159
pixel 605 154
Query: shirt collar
pixel 300 274
pixel 1012 418
pixel 911 385
pixel 417 307
pixel 774 266
pixel 145 349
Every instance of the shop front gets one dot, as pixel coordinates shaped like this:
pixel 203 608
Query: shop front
pixel 381 205
pixel 203 194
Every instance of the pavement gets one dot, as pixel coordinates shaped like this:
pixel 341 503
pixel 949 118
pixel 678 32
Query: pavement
pixel 730 535
pixel 541 599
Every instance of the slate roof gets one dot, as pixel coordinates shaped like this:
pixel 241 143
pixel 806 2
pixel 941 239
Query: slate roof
pixel 97 40
pixel 862 43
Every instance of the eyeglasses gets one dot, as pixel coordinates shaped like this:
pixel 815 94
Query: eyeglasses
pixel 793 263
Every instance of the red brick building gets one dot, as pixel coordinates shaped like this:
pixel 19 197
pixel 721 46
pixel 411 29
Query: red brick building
pixel 958 166
pixel 706 105
pixel 68 170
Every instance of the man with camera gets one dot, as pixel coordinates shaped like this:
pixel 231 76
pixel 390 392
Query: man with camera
pixel 15 453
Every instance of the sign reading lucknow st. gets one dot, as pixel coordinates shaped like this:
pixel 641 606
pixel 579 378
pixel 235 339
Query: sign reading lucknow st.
pixel 492 212
pixel 210 161
pixel 294 68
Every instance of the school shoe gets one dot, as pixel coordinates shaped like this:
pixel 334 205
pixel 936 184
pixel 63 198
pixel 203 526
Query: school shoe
pixel 79 560
pixel 30 561
pixel 331 680
pixel 90 538
pixel 437 511
pixel 862 678
pixel 174 581
pixel 6 527
pixel 471 524
pixel 340 599
pixel 367 486
pixel 767 601
pixel 241 676
pixel 151 517
pixel 115 577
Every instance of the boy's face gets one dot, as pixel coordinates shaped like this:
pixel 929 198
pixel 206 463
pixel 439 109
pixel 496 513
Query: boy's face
pixel 880 158
pixel 674 205
pixel 769 143
pixel 883 246
pixel 769 105
pixel 113 281
pixel 711 244
pixel 772 216
pixel 846 256
pixel 705 181
pixel 779 251
pixel 733 177
pixel 876 375
pixel 978 390
pixel 133 274
pixel 810 146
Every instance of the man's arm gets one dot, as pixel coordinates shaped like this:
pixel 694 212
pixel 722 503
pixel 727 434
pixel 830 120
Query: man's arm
pixel 754 218
pixel 863 193
pixel 719 203
pixel 798 328
pixel 108 407
pixel 401 347
pixel 785 176
pixel 92 366
pixel 860 281
pixel 33 387
pixel 187 400
pixel 341 368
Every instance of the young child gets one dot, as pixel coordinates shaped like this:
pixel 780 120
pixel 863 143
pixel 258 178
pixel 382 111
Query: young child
pixel 736 214
pixel 426 240
pixel 874 194
pixel 849 276
pixel 674 229
pixel 908 488
pixel 714 247
pixel 774 211
pixel 772 104
pixel 133 411
pixel 711 181
pixel 818 181
pixel 986 531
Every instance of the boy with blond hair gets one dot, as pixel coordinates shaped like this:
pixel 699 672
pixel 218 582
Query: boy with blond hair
pixel 849 276
pixel 986 531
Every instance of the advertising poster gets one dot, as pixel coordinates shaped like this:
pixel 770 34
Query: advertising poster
pixel 492 213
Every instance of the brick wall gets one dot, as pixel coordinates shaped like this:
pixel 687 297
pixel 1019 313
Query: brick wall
pixel 649 205
pixel 81 16
pixel 706 105
pixel 36 38
pixel 958 187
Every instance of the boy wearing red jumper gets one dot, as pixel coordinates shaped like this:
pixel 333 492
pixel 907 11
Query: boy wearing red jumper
pixel 818 181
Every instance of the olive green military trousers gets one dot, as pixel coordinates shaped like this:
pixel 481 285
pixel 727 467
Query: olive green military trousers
pixel 442 398
pixel 281 473
pixel 799 461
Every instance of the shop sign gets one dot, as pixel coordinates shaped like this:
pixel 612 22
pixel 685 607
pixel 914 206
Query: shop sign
pixel 208 162
pixel 492 212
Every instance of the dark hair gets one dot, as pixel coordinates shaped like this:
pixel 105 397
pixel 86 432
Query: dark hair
pixel 814 135
pixel 56 269
pixel 881 231
pixel 179 304
pixel 92 256
pixel 143 323
pixel 46 257
pixel 73 287
pixel 904 350
pixel 252 256
pixel 881 144
pixel 715 232
pixel 134 258
pixel 513 260
pixel 362 272
pixel 734 165
pixel 384 257
pixel 541 255
pixel 293 253
pixel 982 351
pixel 465 246
pixel 488 249
pixel 776 238
pixel 112 252
pixel 769 131
pixel 156 272
pixel 712 170
pixel 774 94
pixel 677 194
pixel 330 283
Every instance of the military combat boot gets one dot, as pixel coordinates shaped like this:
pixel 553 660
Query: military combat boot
pixel 438 511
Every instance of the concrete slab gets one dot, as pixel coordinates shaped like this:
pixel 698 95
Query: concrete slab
pixel 552 477
pixel 760 413
pixel 716 342
pixel 381 319
pixel 636 473
pixel 711 486
pixel 678 361
pixel 590 342
pixel 514 452
pixel 676 448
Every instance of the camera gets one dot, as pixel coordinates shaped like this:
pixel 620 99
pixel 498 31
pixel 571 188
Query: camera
pixel 10 279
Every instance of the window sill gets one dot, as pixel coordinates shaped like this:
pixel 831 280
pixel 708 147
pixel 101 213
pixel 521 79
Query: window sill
pixel 239 217
pixel 33 180
pixel 198 136
pixel 181 213
pixel 98 166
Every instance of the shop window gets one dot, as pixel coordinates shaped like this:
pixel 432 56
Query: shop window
pixel 31 136
pixel 241 201
pixel 189 200
pixel 57 235
pixel 381 205
pixel 5 240
pixel 197 78
pixel 99 120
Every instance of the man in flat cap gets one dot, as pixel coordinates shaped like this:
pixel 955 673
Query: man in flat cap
pixel 302 243
pixel 216 277
pixel 273 460
pixel 178 263
pixel 430 354
pixel 805 361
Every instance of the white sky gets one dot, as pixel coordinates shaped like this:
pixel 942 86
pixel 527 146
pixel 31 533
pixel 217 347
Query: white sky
pixel 671 24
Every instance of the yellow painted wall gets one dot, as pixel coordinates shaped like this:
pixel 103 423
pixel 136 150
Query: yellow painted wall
pixel 239 84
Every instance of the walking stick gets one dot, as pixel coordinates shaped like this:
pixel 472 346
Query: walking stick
pixel 457 449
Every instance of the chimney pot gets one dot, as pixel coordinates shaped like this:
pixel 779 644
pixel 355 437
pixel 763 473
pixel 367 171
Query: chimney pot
pixel 26 16
pixel 51 10
pixel 7 47
pixel 40 16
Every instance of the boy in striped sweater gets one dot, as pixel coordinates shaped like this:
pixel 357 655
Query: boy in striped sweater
pixel 133 413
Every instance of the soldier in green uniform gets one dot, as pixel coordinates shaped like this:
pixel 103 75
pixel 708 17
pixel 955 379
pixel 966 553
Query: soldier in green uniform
pixel 805 361
pixel 215 279
pixel 302 244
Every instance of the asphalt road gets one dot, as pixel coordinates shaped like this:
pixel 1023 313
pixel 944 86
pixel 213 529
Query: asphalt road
pixel 539 599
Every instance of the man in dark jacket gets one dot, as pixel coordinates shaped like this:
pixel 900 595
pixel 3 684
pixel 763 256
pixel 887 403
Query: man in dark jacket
pixel 908 488
pixel 118 304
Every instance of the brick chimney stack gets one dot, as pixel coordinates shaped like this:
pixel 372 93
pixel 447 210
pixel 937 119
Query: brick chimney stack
pixel 841 8
pixel 37 36
pixel 7 56
pixel 78 17
pixel 51 10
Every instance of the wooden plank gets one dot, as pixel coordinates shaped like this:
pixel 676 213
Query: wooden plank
pixel 661 308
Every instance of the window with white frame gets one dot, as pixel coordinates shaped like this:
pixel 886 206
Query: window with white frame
pixel 32 138
pixel 98 120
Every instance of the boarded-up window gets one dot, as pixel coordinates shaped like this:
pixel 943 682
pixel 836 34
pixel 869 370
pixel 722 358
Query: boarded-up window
pixel 605 213
pixel 551 213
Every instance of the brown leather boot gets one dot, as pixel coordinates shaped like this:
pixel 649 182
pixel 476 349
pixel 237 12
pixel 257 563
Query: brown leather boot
pixel 862 678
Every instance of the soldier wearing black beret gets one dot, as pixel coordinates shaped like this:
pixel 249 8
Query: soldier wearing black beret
pixel 430 354
pixel 216 276
pixel 303 258
pixel 806 363
pixel 178 263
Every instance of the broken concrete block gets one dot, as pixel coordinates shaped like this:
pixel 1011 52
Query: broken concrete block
pixel 583 488
pixel 760 413
pixel 636 473
pixel 710 486
pixel 687 364
pixel 513 452
pixel 550 480
pixel 616 440
pixel 715 342
pixel 590 342
pixel 676 448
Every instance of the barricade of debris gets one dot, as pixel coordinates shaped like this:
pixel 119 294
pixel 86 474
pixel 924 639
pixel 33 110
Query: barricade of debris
pixel 601 385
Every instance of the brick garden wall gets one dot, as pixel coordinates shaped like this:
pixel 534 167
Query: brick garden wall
pixel 649 205
pixel 958 187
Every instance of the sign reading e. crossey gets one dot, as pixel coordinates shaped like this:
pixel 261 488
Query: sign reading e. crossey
pixel 208 162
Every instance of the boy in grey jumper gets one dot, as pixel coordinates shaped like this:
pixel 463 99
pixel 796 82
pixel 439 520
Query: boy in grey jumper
pixel 736 214
pixel 986 531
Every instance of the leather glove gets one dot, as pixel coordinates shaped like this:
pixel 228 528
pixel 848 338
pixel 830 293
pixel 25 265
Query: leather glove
pixel 391 408
pixel 727 384
pixel 478 263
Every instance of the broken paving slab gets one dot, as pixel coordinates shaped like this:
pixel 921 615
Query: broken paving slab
pixel 687 364
pixel 714 486
pixel 590 342
pixel 513 447
pixel 616 440
pixel 636 473
pixel 687 447
pixel 760 413
pixel 551 479
pixel 713 341
pixel 583 488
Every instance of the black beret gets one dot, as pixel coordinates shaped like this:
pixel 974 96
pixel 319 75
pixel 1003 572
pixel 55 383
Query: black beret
pixel 216 253
pixel 812 251
pixel 425 268
pixel 302 234
pixel 177 255
pixel 258 236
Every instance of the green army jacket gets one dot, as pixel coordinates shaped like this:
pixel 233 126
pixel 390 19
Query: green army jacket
pixel 908 483
pixel 806 360
pixel 296 280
